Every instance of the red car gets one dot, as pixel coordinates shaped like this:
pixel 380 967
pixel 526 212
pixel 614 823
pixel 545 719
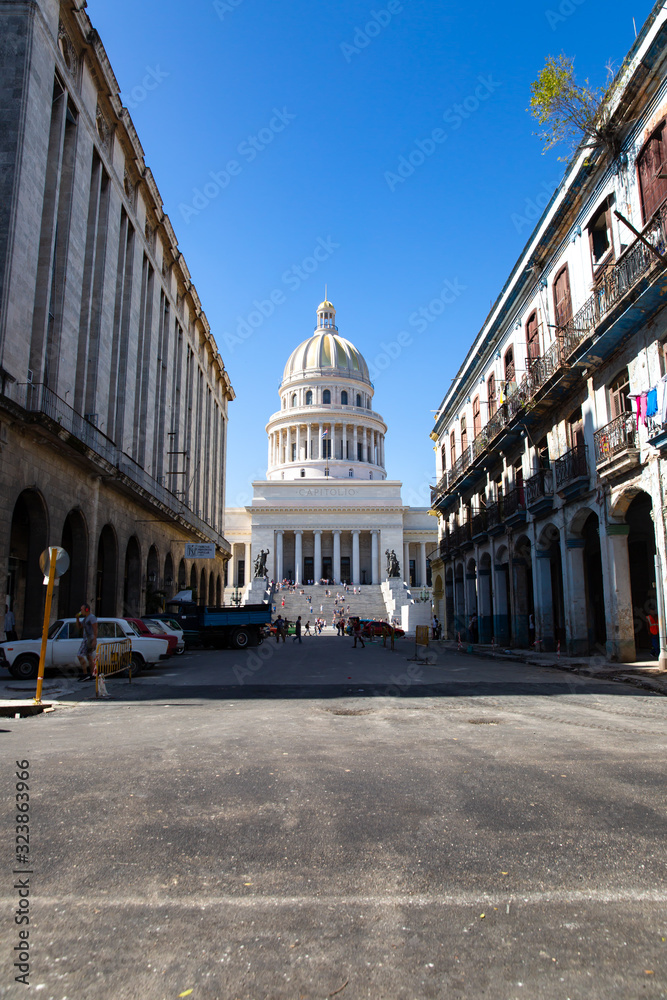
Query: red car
pixel 375 628
pixel 151 628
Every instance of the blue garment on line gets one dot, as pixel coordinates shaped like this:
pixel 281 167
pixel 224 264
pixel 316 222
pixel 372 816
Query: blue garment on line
pixel 652 403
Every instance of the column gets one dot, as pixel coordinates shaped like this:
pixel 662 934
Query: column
pixel 317 560
pixel 280 573
pixel 422 563
pixel 374 557
pixel 618 606
pixel 354 443
pixel 336 555
pixel 484 607
pixel 406 562
pixel 298 556
pixel 576 623
pixel 320 451
pixel 356 572
pixel 501 605
pixel 309 443
pixel 344 441
pixel 544 603
pixel 248 566
pixel 298 443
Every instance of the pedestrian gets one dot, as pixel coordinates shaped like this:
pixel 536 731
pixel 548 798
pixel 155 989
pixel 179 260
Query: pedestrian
pixel 531 629
pixel 306 630
pixel 653 632
pixel 280 628
pixel 472 628
pixel 10 625
pixel 356 632
pixel 321 608
pixel 86 654
pixel 297 630
pixel 434 626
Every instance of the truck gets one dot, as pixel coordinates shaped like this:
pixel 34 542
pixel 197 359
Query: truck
pixel 221 626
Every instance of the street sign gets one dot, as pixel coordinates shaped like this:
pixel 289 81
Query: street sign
pixel 200 550
pixel 62 562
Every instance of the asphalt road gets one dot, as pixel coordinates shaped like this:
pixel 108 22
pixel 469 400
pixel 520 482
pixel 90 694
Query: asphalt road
pixel 305 821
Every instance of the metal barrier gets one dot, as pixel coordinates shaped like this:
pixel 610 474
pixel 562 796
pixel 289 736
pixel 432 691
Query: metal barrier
pixel 112 658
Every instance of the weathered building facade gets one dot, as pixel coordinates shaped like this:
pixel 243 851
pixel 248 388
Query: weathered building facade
pixel 113 396
pixel 552 442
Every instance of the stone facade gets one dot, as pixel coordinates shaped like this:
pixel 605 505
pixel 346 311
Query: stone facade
pixel 113 396
pixel 551 489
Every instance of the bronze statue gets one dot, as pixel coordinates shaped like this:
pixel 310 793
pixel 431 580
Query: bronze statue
pixel 393 567
pixel 260 564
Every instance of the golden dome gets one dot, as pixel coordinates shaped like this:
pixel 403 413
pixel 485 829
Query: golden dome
pixel 327 353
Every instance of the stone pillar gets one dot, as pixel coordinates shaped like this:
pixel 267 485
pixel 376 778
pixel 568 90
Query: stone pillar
pixel 619 617
pixel 280 573
pixel 344 441
pixel 298 443
pixel 298 556
pixel 320 449
pixel 309 445
pixel 422 563
pixel 317 560
pixel 248 567
pixel 576 622
pixel 336 555
pixel 501 606
pixel 485 607
pixel 374 557
pixel 355 441
pixel 406 562
pixel 544 606
pixel 356 571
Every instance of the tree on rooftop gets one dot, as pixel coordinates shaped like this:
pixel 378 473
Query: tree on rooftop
pixel 571 112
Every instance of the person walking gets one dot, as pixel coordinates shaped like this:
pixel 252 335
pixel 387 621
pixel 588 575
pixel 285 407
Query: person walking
pixel 280 628
pixel 86 654
pixel 356 632
pixel 297 630
pixel 10 625
pixel 653 632
pixel 306 630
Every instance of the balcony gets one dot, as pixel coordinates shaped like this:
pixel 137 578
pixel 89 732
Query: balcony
pixel 514 507
pixel 480 524
pixel 495 518
pixel 616 448
pixel 571 473
pixel 82 436
pixel 463 535
pixel 657 434
pixel 619 278
pixel 540 492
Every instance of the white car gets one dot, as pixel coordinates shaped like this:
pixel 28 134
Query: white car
pixel 171 628
pixel 21 657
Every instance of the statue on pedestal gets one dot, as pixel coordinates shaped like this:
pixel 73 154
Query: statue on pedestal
pixel 393 567
pixel 260 564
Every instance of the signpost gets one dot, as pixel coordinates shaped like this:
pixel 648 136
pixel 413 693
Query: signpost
pixel 53 562
pixel 200 550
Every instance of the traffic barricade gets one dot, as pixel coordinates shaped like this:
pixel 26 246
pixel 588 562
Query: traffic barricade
pixel 112 658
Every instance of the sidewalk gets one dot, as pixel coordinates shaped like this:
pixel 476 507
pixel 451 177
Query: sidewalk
pixel 642 673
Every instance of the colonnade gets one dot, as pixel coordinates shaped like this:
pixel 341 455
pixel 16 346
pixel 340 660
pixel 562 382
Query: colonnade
pixel 302 442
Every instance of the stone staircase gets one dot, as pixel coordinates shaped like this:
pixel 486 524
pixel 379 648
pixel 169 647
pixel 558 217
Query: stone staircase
pixel 368 602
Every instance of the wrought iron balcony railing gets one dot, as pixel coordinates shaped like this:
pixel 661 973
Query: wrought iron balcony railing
pixel 539 487
pixel 513 502
pixel 494 512
pixel 615 437
pixel 479 522
pixel 570 466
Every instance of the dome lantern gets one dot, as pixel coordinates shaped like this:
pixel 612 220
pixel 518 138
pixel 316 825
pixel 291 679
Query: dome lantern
pixel 326 316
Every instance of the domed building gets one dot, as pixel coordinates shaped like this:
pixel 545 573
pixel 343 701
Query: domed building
pixel 326 509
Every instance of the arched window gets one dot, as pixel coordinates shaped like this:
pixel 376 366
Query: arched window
pixel 326 396
pixel 294 399
pixel 343 398
pixel 370 475
pixel 358 399
pixel 351 474
pixel 303 473
pixel 309 398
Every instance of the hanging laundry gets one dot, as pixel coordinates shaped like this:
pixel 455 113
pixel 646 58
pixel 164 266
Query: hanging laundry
pixel 662 400
pixel 641 407
pixel 652 402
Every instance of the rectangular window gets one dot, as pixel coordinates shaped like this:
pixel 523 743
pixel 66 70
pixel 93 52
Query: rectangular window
pixel 533 338
pixel 599 234
pixel 619 395
pixel 452 449
pixel 464 434
pixel 575 429
pixel 491 391
pixel 510 371
pixel 652 167
pixel 293 451
pixel 562 298
pixel 476 417
pixel 360 451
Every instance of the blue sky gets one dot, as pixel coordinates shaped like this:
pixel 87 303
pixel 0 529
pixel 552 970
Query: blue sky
pixel 275 129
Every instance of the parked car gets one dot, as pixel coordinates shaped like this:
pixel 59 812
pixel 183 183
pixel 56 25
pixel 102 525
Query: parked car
pixel 291 629
pixel 170 627
pixel 376 628
pixel 21 657
pixel 152 628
